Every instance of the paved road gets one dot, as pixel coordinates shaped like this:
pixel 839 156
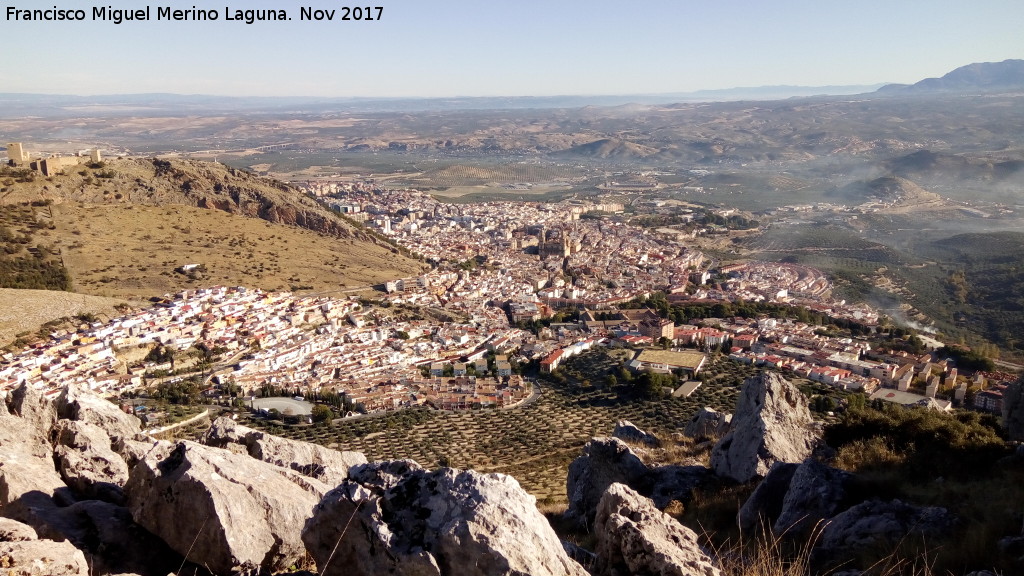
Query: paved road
pixel 298 408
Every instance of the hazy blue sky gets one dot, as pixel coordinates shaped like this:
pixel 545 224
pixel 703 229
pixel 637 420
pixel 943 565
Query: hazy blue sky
pixel 522 47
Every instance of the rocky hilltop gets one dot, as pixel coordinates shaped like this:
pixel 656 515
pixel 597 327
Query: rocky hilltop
pixel 156 182
pixel 84 491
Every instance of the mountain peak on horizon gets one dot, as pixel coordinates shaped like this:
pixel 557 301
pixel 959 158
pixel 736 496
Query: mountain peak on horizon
pixel 976 76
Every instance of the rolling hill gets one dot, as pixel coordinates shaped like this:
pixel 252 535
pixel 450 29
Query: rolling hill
pixel 125 228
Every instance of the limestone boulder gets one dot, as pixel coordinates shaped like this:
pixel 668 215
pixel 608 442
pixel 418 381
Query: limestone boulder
pixel 28 477
pixel 87 463
pixel 772 424
pixel 112 541
pixel 36 415
pixel 222 510
pixel 763 506
pixel 708 424
pixel 629 432
pixel 324 464
pixel 633 537
pixel 80 404
pixel 874 529
pixel 431 523
pixel 816 492
pixel 604 462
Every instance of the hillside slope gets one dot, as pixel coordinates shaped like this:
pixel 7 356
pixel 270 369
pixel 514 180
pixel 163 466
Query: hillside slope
pixel 122 228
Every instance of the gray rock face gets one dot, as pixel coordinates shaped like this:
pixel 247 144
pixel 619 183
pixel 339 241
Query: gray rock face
pixel 432 523
pixel 112 541
pixel 222 510
pixel 37 414
pixel 1013 410
pixel 667 483
pixel 28 477
pixel 708 424
pixel 633 537
pixel 84 406
pixel 604 462
pixel 87 463
pixel 328 466
pixel 876 528
pixel 629 432
pixel 764 505
pixel 816 492
pixel 772 424
pixel 42 558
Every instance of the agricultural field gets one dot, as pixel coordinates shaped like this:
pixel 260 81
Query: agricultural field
pixel 497 174
pixel 535 443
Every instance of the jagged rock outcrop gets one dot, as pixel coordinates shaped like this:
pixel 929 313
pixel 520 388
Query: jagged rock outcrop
pixel 222 510
pixel 84 406
pixel 772 424
pixel 315 461
pixel 28 477
pixel 816 492
pixel 112 541
pixel 87 463
pixel 877 528
pixel 634 538
pixel 708 424
pixel 431 523
pixel 763 506
pixel 629 432
pixel 604 462
pixel 37 414
pixel 1013 410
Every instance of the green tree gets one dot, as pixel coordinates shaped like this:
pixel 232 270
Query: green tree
pixel 321 414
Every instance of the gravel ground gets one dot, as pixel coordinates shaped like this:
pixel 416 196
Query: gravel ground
pixel 26 310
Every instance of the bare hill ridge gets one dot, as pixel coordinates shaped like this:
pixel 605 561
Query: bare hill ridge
pixel 150 181
pixel 124 228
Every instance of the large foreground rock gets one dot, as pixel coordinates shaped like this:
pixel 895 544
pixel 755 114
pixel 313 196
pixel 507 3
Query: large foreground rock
pixel 87 463
pixel 772 424
pixel 816 492
pixel 634 538
pixel 872 530
pixel 604 462
pixel 111 539
pixel 82 405
pixel 431 523
pixel 324 464
pixel 222 510
pixel 28 477
pixel 763 506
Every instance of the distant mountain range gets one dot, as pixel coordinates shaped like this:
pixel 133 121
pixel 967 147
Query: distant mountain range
pixel 983 76
pixel 986 76
pixel 59 104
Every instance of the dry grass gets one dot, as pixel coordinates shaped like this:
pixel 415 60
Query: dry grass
pixel 132 251
pixel 26 310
